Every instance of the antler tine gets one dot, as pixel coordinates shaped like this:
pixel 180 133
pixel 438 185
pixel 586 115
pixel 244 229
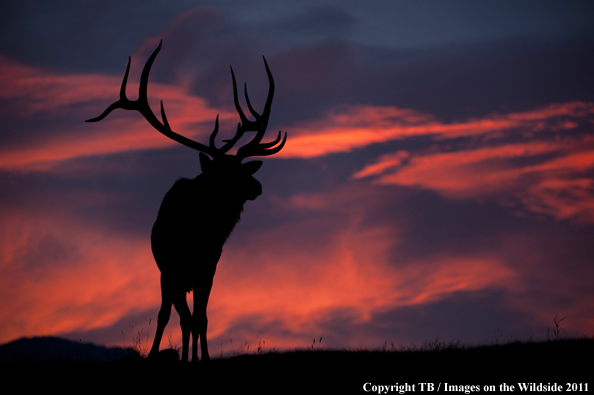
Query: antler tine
pixel 141 105
pixel 214 133
pixel 262 120
pixel 236 99
pixel 122 103
pixel 231 142
pixel 272 151
pixel 254 148
pixel 259 125
pixel 268 105
pixel 247 100
pixel 262 149
pixel 228 143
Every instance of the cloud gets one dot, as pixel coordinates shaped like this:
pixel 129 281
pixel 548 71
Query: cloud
pixel 313 24
pixel 50 97
pixel 88 281
pixel 541 158
pixel 566 199
pixel 353 127
pixel 336 262
pixel 330 258
pixel 558 184
pixel 333 256
pixel 292 274
pixel 46 96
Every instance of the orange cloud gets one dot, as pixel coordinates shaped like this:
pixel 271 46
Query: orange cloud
pixel 460 173
pixel 58 276
pixel 567 199
pixel 556 184
pixel 47 95
pixel 79 97
pixel 82 280
pixel 335 263
pixel 299 286
pixel 354 127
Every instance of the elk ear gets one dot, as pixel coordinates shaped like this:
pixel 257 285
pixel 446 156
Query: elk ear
pixel 252 166
pixel 204 162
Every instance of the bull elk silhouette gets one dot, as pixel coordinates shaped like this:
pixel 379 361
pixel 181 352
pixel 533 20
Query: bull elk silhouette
pixel 197 215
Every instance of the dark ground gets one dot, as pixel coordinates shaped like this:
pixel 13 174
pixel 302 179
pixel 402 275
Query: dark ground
pixel 325 371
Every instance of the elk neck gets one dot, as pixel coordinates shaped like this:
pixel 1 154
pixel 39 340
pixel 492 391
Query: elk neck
pixel 221 204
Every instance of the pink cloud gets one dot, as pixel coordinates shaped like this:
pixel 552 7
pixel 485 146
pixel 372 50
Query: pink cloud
pixel 556 185
pixel 286 274
pixel 96 281
pixel 566 199
pixel 299 273
pixel 354 127
pixel 547 175
pixel 46 96
pixel 328 259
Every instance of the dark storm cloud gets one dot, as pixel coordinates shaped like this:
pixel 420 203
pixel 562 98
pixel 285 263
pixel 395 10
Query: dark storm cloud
pixel 465 317
pixel 452 83
pixel 326 21
pixel 69 35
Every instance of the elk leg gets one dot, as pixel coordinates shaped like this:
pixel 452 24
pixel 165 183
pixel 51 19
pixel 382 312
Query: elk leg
pixel 203 342
pixel 195 335
pixel 185 321
pixel 200 321
pixel 163 319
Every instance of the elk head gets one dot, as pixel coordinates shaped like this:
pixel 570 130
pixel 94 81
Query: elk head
pixel 221 165
pixel 230 178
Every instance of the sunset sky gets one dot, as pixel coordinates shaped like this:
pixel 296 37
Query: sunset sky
pixel 437 180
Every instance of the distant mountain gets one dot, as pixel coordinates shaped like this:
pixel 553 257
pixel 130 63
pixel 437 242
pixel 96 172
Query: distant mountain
pixel 56 349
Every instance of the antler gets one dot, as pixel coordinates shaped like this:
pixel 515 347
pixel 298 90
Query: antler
pixel 253 148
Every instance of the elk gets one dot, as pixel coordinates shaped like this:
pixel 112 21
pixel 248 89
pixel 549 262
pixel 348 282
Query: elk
pixel 197 215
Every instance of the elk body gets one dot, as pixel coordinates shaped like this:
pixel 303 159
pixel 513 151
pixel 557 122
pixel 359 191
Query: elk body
pixel 197 215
